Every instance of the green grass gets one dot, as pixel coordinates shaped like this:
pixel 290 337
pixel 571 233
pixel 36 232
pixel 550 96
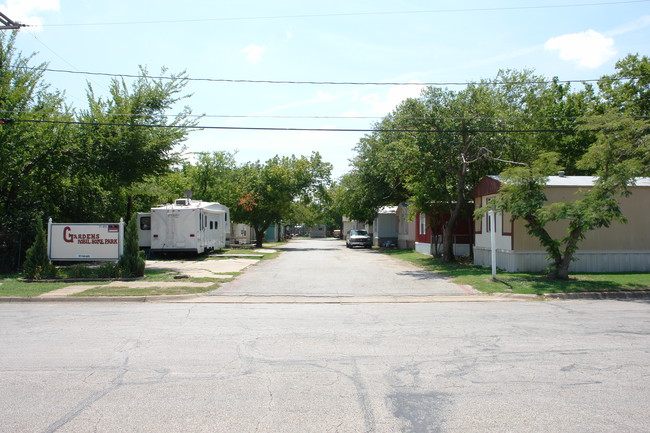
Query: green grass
pixel 145 291
pixel 524 283
pixel 11 286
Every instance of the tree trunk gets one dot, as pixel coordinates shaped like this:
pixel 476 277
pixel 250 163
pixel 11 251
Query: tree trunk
pixel 129 208
pixel 259 236
pixel 562 270
pixel 450 225
pixel 562 265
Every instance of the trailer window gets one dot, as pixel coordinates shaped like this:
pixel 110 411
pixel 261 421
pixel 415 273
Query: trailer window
pixel 216 224
pixel 210 225
pixel 145 223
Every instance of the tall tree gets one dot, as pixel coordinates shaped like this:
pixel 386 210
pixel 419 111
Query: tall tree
pixel 456 145
pixel 129 134
pixel 35 153
pixel 618 152
pixel 267 191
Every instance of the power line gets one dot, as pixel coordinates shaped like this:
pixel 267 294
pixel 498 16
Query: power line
pixel 332 83
pixel 9 113
pixel 352 14
pixel 248 128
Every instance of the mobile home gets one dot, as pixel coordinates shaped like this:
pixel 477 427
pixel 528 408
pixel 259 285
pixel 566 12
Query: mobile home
pixel 185 226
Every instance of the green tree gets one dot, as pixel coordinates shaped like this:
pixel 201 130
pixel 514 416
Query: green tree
pixel 628 89
pixel 267 191
pixel 131 262
pixel 616 129
pixel 522 195
pixel 36 152
pixel 212 176
pixel 128 135
pixel 456 145
pixel 37 264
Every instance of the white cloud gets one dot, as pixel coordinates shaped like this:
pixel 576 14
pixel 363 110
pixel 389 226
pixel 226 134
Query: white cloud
pixel 25 11
pixel 385 103
pixel 588 49
pixel 253 52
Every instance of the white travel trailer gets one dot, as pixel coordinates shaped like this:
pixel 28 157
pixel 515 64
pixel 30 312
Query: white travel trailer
pixel 185 226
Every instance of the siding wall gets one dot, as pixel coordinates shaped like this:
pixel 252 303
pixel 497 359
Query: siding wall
pixel 586 261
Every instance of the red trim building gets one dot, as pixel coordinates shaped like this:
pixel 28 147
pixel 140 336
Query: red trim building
pixel 431 225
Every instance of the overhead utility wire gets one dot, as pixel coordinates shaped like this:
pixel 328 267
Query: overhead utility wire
pixel 333 83
pixel 315 117
pixel 67 122
pixel 352 14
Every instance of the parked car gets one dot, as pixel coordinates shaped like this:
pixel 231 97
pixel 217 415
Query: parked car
pixel 358 238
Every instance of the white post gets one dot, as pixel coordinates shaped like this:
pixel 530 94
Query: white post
pixel 49 239
pixel 493 247
pixel 120 248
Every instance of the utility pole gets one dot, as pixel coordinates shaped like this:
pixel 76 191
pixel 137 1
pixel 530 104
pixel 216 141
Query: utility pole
pixel 7 24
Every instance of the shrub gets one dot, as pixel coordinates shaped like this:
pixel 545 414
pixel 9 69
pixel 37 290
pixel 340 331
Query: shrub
pixel 108 270
pixel 37 264
pixel 131 263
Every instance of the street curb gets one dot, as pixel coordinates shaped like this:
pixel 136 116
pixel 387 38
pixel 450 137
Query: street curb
pixel 153 298
pixel 641 294
pixel 282 299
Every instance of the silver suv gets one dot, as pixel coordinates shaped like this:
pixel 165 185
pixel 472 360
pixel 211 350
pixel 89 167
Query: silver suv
pixel 358 238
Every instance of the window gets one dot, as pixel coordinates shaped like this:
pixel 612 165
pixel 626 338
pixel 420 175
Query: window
pixel 216 224
pixel 210 225
pixel 423 224
pixel 145 223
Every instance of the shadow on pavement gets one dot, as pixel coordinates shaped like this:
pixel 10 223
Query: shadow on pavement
pixel 422 275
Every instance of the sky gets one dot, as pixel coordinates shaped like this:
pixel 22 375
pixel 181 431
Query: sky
pixel 411 42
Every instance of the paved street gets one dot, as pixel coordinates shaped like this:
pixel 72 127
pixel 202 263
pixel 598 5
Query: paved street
pixel 567 366
pixel 324 267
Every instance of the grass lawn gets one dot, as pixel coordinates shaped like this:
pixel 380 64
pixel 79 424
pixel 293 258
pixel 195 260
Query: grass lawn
pixel 10 285
pixel 525 283
pixel 148 291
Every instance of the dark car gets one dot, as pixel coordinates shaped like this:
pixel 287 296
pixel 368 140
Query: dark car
pixel 358 238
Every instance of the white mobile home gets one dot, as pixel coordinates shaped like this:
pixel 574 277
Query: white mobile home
pixel 187 225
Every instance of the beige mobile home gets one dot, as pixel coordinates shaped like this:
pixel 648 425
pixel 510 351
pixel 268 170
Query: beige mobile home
pixel 618 248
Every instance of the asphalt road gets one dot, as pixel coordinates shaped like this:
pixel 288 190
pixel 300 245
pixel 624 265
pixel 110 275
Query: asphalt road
pixel 567 366
pixel 324 267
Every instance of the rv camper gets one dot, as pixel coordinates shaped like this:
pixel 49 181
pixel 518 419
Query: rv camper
pixel 185 226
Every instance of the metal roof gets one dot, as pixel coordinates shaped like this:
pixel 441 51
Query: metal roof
pixel 387 210
pixel 577 181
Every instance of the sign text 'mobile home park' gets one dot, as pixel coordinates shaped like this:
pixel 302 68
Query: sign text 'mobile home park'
pixel 85 241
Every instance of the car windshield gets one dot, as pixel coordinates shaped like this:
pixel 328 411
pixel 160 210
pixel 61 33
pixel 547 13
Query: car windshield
pixel 359 232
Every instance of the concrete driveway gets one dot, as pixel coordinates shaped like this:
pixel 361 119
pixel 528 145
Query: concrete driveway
pixel 325 268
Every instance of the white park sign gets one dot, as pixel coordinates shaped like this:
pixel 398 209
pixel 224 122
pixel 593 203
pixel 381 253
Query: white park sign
pixel 85 241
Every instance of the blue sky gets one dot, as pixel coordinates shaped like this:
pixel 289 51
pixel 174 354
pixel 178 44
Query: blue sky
pixel 337 41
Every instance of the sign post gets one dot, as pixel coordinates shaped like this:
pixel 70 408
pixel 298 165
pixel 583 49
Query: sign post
pixel 493 249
